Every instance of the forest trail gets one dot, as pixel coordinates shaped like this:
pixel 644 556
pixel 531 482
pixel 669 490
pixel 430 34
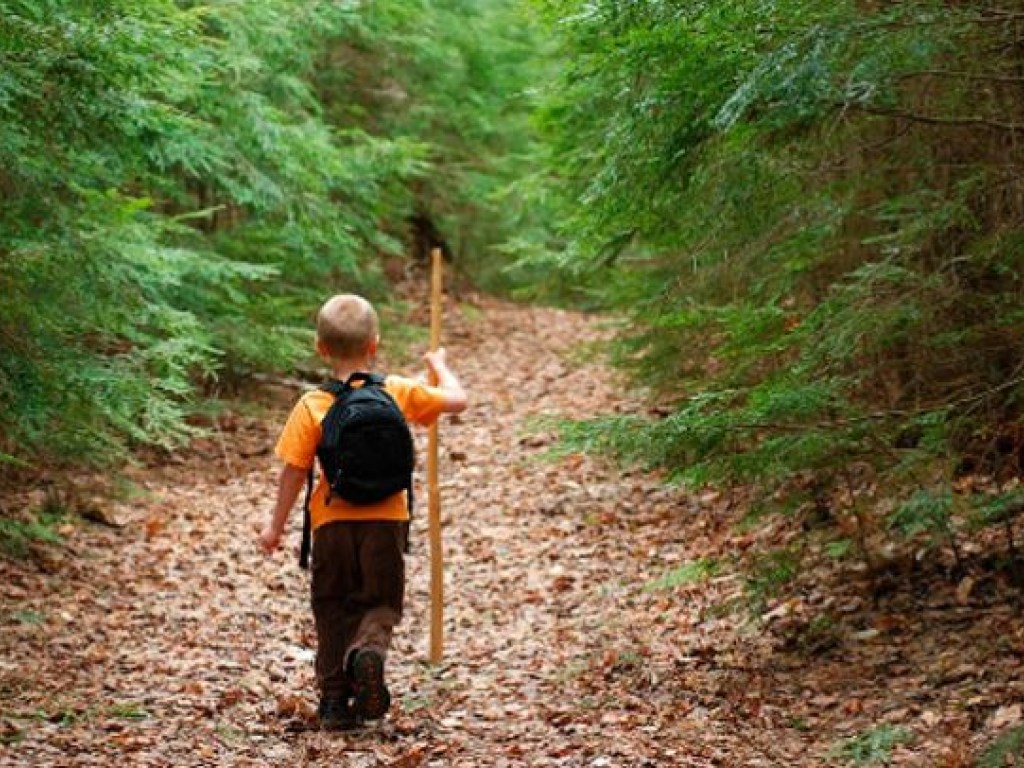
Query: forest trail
pixel 173 642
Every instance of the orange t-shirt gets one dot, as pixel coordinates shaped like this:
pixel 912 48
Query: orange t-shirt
pixel 297 444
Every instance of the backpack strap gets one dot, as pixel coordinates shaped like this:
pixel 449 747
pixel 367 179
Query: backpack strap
pixel 337 387
pixel 408 525
pixel 307 529
pixel 373 379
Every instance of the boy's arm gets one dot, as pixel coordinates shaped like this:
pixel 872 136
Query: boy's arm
pixel 289 485
pixel 455 397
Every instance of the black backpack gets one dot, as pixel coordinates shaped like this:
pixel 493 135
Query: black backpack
pixel 366 449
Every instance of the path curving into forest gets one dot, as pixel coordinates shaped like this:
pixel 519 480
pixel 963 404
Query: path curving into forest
pixel 173 642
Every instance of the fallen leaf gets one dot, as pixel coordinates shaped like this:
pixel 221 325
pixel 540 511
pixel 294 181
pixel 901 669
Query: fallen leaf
pixel 1006 716
pixel 963 590
pixel 153 526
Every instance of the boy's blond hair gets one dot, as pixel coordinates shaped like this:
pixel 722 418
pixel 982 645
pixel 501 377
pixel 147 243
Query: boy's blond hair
pixel 345 326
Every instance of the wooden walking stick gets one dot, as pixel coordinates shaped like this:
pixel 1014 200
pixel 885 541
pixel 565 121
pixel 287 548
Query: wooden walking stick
pixel 433 491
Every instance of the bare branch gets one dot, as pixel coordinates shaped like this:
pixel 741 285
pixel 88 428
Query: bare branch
pixel 958 75
pixel 938 120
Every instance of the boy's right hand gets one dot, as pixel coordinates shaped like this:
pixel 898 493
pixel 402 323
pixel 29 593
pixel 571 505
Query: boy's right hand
pixel 270 539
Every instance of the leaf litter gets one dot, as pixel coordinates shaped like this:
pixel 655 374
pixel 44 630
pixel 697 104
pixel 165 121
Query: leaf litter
pixel 593 616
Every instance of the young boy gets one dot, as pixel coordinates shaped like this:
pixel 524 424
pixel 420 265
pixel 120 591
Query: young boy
pixel 358 570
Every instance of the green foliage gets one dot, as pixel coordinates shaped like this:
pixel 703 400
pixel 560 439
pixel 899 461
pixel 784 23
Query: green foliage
pixel 807 216
pixel 872 747
pixel 690 573
pixel 127 712
pixel 840 549
pixel 17 535
pixel 768 574
pixel 460 79
pixel 924 511
pixel 184 183
pixel 1001 508
pixel 29 617
pixel 1005 749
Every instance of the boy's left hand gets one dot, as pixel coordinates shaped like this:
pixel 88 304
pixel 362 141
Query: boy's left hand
pixel 436 361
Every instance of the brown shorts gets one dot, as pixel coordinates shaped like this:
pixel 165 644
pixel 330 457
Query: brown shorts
pixel 358 587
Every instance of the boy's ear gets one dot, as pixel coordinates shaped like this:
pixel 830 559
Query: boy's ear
pixel 372 345
pixel 321 350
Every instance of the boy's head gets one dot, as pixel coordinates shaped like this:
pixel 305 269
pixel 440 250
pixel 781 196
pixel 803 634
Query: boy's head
pixel 346 327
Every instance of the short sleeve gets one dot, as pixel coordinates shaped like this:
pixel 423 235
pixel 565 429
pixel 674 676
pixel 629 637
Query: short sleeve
pixel 420 403
pixel 299 438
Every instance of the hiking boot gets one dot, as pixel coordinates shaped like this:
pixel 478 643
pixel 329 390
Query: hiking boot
pixel 336 714
pixel 372 695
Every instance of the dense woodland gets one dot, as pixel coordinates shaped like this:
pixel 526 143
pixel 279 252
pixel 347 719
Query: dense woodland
pixel 804 220
pixel 183 180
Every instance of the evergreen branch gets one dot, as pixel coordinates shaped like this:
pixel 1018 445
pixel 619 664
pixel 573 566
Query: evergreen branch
pixel 6 458
pixel 877 416
pixel 614 248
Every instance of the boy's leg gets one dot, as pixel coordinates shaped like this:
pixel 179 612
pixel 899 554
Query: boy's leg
pixel 335 577
pixel 376 630
pixel 382 563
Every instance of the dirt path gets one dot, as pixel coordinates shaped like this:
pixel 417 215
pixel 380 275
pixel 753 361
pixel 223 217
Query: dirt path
pixel 173 642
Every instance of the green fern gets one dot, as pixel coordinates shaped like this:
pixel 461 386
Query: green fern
pixel 690 573
pixel 872 747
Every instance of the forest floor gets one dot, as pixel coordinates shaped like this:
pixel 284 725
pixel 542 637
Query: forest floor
pixel 578 631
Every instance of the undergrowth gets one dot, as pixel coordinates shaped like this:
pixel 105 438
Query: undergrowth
pixel 873 746
pixel 17 535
